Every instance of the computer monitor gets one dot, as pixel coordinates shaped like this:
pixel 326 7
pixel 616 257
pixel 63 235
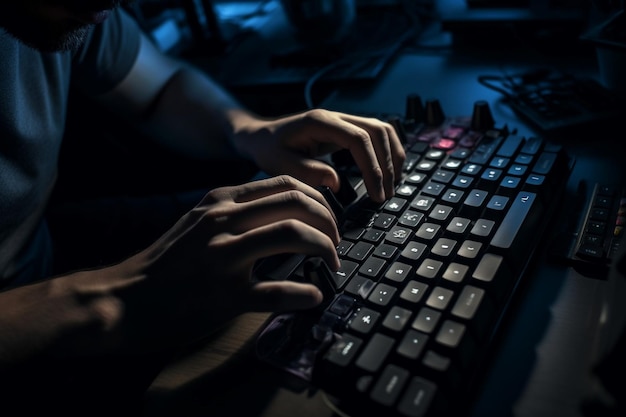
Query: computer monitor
pixel 526 4
pixel 499 21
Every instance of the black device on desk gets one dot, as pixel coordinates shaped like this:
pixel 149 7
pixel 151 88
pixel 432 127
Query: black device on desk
pixel 426 277
pixel 414 318
pixel 416 322
pixel 558 103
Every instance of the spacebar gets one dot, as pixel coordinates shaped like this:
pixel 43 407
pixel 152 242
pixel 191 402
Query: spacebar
pixel 513 220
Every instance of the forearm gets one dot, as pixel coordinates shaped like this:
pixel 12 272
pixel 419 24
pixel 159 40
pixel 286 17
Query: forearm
pixel 79 314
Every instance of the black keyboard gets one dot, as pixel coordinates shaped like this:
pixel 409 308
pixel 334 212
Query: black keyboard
pixel 555 102
pixel 426 277
pixel 599 235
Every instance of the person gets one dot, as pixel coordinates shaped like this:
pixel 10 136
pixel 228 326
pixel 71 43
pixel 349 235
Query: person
pixel 72 334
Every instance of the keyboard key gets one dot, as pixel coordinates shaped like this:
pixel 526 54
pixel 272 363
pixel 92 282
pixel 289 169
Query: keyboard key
pixel 426 320
pixel 462 182
pixel 397 318
pixel 477 310
pixel 443 247
pixel 343 247
pixel 385 251
pixel 417 398
pixel 360 251
pixel 450 333
pixel 382 294
pixel 375 352
pixel 390 385
pixel 364 320
pixel 516 216
pixel 482 227
pixel 412 344
pixel 492 274
pixel 458 225
pixel 441 212
pixel 429 268
pixel 468 302
pixel 413 251
pixel 398 272
pixel 455 272
pixel 398 235
pixel 475 199
pixel 488 267
pixel 372 267
pixel 384 221
pixel 395 205
pixel 470 249
pixel 360 287
pixel 439 298
pixel 510 146
pixel 436 361
pixel 413 291
pixel 345 271
pixel 411 218
pixel 422 203
pixel 343 351
pixel 428 231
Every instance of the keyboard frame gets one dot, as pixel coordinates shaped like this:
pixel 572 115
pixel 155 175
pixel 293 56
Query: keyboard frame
pixel 274 334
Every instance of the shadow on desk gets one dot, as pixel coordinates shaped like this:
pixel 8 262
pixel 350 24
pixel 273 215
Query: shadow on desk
pixel 222 377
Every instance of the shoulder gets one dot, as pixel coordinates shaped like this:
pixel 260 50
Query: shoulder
pixel 108 53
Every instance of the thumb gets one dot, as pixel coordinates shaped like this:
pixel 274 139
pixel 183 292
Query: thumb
pixel 314 173
pixel 272 296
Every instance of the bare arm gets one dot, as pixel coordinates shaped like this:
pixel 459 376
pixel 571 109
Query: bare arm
pixel 177 104
pixel 190 282
pixel 184 108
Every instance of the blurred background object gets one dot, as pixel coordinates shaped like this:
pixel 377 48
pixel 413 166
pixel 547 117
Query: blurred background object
pixel 609 37
pixel 320 20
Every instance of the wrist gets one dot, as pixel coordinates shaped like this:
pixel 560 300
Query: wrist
pixel 96 313
pixel 246 128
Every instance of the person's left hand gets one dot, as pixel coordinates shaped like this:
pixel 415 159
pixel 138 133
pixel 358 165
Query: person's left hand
pixel 292 144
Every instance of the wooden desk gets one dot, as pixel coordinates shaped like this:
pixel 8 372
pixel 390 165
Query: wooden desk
pixel 222 377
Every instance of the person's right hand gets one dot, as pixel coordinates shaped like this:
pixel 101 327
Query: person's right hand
pixel 198 275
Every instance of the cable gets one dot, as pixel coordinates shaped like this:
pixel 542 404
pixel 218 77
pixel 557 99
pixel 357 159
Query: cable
pixel 510 83
pixel 352 62
pixel 504 89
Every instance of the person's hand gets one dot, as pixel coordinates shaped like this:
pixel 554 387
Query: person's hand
pixel 198 274
pixel 291 144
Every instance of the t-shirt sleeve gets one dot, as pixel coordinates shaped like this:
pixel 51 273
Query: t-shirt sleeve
pixel 107 55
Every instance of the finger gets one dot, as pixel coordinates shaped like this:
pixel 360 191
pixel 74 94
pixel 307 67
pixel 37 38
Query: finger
pixel 360 145
pixel 273 296
pixel 398 153
pixel 394 150
pixel 284 236
pixel 311 171
pixel 291 204
pixel 287 236
pixel 281 183
pixel 380 141
pixel 388 148
pixel 332 128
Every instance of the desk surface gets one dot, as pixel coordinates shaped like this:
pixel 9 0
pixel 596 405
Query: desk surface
pixel 559 307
